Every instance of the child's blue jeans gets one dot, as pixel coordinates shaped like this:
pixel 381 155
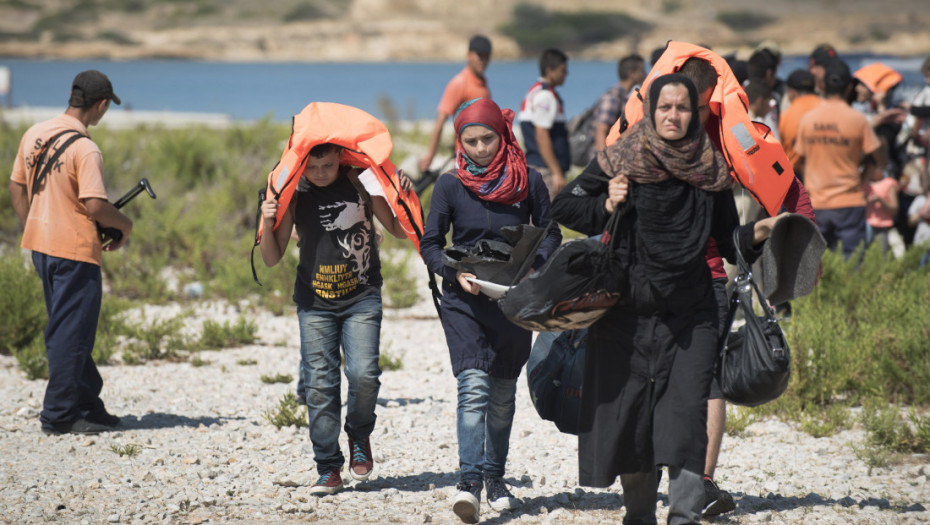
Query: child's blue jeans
pixel 357 329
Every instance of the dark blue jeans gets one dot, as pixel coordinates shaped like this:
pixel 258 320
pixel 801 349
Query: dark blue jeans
pixel 72 300
pixel 844 226
pixel 357 329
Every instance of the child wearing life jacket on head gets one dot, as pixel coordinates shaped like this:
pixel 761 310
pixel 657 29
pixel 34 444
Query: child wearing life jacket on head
pixel 338 296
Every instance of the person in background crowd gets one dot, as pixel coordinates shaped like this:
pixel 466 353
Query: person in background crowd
pixel 916 173
pixel 820 57
pixel 59 196
pixel 832 140
pixel 542 122
pixel 763 65
pixel 631 70
pixel 467 84
pixel 801 97
pixel 881 197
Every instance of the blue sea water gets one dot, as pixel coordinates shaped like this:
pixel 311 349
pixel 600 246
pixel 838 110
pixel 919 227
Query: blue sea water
pixel 251 90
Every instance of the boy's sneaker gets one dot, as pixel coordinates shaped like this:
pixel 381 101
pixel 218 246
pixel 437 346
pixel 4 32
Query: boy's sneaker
pixel 466 502
pixel 360 460
pixel 716 500
pixel 329 482
pixel 499 496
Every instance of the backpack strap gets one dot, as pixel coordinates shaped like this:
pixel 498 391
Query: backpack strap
pixel 258 220
pixel 44 164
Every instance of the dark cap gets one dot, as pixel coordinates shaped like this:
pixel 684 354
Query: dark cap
pixel 89 87
pixel 801 80
pixel 823 55
pixel 837 75
pixel 480 44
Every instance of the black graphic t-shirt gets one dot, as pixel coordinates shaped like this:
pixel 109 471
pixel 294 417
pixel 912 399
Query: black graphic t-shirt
pixel 339 261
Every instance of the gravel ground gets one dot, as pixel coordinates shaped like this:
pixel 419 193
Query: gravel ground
pixel 208 456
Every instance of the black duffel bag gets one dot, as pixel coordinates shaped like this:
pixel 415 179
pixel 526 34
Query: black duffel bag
pixel 754 362
pixel 579 282
pixel 555 376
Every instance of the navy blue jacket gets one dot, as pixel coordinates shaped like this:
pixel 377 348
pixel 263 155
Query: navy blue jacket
pixel 478 334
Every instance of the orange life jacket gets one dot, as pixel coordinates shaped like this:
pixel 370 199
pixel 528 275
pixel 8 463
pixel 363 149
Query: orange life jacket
pixel 878 77
pixel 755 157
pixel 367 143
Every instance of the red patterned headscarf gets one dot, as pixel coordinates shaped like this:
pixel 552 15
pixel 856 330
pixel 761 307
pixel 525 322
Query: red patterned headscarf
pixel 504 180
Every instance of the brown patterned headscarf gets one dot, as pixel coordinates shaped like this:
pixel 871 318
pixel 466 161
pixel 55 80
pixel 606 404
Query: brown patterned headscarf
pixel 645 157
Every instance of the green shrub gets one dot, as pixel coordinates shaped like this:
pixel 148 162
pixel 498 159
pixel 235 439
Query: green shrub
pixel 863 332
pixel 32 359
pixel 129 449
pixel 288 413
pixel 22 303
pixel 278 378
pixel 110 326
pixel 388 362
pixel 226 335
pixel 401 288
pixel 155 339
pixel 738 420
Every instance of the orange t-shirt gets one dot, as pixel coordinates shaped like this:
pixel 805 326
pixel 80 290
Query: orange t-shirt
pixel 832 138
pixel 788 124
pixel 58 223
pixel 462 88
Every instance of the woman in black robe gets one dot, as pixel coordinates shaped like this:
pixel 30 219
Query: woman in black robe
pixel 650 359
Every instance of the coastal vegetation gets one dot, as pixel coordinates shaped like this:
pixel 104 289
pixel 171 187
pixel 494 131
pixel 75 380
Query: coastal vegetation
pixel 860 342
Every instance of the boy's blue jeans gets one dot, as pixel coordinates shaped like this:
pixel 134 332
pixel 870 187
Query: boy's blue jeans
pixel 486 406
pixel 357 329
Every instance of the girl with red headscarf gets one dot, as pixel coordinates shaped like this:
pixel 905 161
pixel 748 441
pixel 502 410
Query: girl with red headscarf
pixel 490 188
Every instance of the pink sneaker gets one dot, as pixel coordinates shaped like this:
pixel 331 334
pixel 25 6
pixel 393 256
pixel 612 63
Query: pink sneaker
pixel 360 460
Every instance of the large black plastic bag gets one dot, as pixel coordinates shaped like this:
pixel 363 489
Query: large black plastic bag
pixel 573 289
pixel 755 362
pixel 495 261
pixel 555 375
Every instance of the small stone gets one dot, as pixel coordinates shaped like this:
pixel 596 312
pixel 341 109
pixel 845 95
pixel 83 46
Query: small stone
pixel 541 480
pixel 525 478
pixel 427 518
pixel 191 461
pixel 286 483
pixel 113 518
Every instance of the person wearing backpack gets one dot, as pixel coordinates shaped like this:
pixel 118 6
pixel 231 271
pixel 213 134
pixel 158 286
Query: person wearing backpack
pixel 338 296
pixel 58 193
pixel 543 124
pixel 631 70
pixel 491 188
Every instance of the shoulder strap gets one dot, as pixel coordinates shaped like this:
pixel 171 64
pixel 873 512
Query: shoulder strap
pixel 44 165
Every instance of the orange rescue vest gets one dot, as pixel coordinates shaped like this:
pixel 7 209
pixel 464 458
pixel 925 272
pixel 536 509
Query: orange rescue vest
pixel 878 77
pixel 755 157
pixel 367 143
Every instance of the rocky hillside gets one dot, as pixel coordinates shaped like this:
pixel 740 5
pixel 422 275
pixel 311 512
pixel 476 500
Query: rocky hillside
pixel 380 30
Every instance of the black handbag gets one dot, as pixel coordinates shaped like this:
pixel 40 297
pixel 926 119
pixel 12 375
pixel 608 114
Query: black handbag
pixel 754 361
pixel 576 286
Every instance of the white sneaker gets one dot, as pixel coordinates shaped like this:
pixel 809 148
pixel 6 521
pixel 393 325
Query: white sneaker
pixel 499 496
pixel 466 502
